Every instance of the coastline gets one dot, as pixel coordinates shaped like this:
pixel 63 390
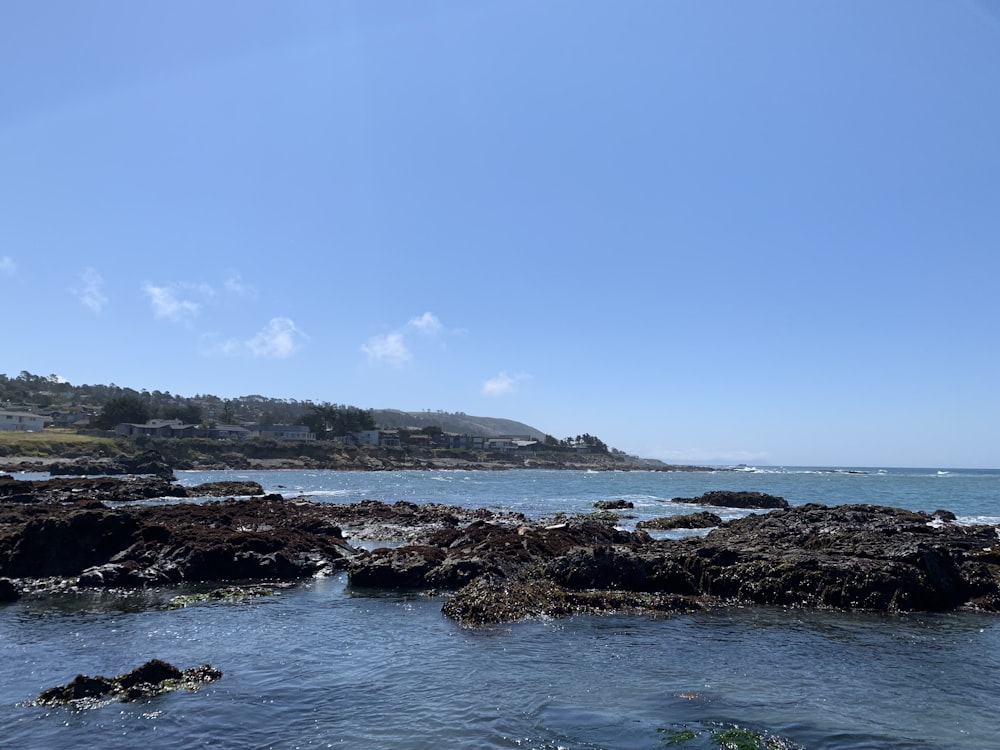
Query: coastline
pixel 355 459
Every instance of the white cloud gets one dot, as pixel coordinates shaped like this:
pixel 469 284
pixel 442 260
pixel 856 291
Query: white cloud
pixel 428 324
pixel 388 348
pixel 7 265
pixel 392 348
pixel 91 291
pixel 279 339
pixel 235 285
pixel 183 301
pixel 167 305
pixel 502 384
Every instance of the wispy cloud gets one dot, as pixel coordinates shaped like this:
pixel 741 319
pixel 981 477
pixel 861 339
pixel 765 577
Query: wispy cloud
pixel 502 384
pixel 427 324
pixel 235 285
pixel 393 349
pixel 279 339
pixel 167 303
pixel 183 301
pixel 7 265
pixel 387 348
pixel 90 292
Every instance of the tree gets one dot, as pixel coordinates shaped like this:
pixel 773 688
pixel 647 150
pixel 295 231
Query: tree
pixel 126 408
pixel 187 413
pixel 336 420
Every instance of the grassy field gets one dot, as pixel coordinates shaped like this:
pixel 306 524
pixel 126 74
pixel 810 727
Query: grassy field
pixel 56 442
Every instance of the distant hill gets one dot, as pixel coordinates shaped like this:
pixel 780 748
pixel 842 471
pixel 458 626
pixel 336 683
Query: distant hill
pixel 457 422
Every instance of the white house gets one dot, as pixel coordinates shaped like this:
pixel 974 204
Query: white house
pixel 364 437
pixel 282 432
pixel 18 421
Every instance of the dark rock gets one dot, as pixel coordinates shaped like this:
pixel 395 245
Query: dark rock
pixel 453 557
pixel 154 545
pixel 847 557
pixel 104 489
pixel 491 599
pixel 735 499
pixel 146 681
pixel 402 567
pixel 225 489
pixel 8 591
pixel 614 504
pixel 65 543
pixel 701 520
pixel 148 463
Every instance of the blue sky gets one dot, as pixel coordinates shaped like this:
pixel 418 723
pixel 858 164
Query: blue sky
pixel 716 232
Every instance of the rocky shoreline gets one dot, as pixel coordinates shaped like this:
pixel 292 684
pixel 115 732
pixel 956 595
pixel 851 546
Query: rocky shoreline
pixel 90 532
pixel 180 455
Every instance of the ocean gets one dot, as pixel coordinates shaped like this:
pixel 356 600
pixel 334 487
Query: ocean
pixel 317 665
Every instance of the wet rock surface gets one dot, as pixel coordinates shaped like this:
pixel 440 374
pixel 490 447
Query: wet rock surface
pixel 735 499
pixel 848 557
pixel 701 520
pixel 8 591
pixel 146 681
pixel 502 566
pixel 62 528
pixel 147 462
pixel 104 489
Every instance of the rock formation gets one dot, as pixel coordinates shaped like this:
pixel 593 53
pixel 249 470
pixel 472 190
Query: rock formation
pixel 151 679
pixel 501 565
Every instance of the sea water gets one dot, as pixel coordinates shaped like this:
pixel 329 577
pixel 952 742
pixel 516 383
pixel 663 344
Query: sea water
pixel 318 665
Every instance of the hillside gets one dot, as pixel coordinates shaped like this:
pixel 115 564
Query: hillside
pixel 457 422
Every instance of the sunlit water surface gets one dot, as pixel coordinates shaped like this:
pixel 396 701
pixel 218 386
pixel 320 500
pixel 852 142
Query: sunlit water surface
pixel 317 665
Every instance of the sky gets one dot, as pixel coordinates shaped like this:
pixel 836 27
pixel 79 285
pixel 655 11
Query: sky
pixel 761 233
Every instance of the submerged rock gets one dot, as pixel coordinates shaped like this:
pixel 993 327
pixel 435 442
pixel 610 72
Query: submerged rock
pixel 148 680
pixel 491 599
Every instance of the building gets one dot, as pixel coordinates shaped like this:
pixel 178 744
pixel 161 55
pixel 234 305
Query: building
pixel 22 421
pixel 228 432
pixel 282 432
pixel 158 428
pixel 511 444
pixel 364 437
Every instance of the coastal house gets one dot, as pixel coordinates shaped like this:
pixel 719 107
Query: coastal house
pixel 516 444
pixel 171 428
pixel 363 437
pixel 389 439
pixel 228 432
pixel 419 440
pixel 20 421
pixel 282 432
pixel 71 416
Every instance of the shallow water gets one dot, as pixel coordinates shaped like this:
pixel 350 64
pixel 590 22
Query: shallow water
pixel 319 666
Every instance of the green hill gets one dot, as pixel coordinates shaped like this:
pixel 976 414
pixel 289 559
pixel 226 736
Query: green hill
pixel 457 422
